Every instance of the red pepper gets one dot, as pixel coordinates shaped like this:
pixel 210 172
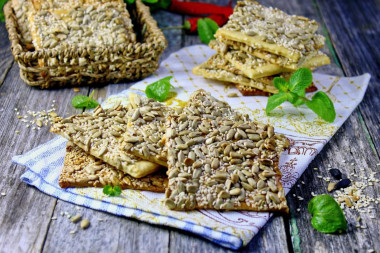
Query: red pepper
pixel 191 23
pixel 197 9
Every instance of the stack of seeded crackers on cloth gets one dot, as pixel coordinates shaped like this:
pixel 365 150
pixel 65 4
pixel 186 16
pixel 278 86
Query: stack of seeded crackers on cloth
pixel 216 158
pixel 198 164
pixel 258 44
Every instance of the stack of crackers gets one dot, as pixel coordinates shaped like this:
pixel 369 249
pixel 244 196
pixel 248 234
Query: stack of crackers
pixel 214 157
pixel 259 43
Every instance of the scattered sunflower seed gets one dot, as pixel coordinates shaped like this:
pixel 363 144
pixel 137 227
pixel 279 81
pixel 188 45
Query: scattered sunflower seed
pixel 76 218
pixel 84 224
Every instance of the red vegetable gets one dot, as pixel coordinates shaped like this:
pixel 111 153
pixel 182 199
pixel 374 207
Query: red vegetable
pixel 191 23
pixel 197 9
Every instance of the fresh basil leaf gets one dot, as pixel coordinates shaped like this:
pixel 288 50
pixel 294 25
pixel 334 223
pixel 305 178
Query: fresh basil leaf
pixel 300 80
pixel 280 84
pixel 275 100
pixel 206 30
pixel 81 101
pixel 212 24
pixel 159 90
pixel 129 1
pixel 322 105
pixel 327 215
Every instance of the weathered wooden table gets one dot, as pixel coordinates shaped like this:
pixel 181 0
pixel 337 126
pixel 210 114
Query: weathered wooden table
pixel 353 37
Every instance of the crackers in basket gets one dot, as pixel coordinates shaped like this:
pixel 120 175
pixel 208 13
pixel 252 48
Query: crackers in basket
pixel 83 170
pixel 62 24
pixel 260 43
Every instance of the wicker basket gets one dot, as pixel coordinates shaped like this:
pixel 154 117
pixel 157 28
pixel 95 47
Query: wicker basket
pixel 90 65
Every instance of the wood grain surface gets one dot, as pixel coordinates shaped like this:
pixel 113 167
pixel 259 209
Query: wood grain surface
pixel 31 221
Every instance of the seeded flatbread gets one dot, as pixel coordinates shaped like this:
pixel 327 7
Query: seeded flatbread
pixel 83 170
pixel 311 60
pixel 231 165
pixel 272 30
pixel 100 134
pixel 146 127
pixel 62 24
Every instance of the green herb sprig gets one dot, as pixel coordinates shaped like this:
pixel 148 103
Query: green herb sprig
pixel 294 92
pixel 206 29
pixel 160 89
pixel 112 191
pixel 2 3
pixel 328 217
pixel 81 101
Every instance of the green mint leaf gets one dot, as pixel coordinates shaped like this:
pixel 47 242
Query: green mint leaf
pixel 117 190
pixel 159 90
pixel 111 191
pixel 81 101
pixel 295 99
pixel 2 3
pixel 150 1
pixel 107 189
pixel 280 84
pixel 322 105
pixel 328 217
pixel 300 80
pixel 275 100
pixel 206 29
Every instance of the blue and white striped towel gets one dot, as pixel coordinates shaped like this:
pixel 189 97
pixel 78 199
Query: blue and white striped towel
pixel 307 133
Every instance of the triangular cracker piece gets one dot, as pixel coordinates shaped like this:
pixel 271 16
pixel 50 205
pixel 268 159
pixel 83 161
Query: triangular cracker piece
pixel 83 170
pixel 228 165
pixel 272 30
pixel 146 127
pixel 100 134
pixel 251 66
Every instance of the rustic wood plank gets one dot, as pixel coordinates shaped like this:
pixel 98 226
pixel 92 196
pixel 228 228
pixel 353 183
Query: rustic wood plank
pixel 267 240
pixel 6 58
pixel 25 210
pixel 107 233
pixel 357 151
pixel 355 38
